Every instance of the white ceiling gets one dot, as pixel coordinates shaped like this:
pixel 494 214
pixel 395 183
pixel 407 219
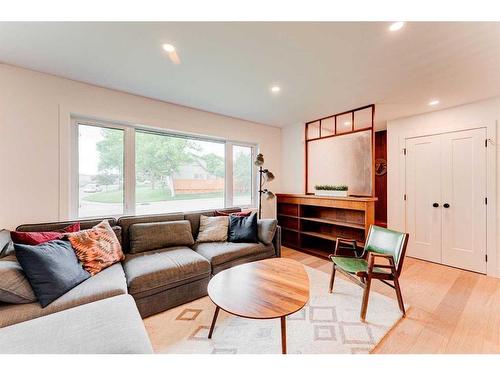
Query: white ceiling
pixel 228 68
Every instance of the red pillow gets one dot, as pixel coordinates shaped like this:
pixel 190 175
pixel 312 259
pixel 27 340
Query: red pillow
pixel 37 238
pixel 242 213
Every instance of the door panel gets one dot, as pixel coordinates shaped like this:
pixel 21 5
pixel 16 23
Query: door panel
pixel 423 188
pixel 464 189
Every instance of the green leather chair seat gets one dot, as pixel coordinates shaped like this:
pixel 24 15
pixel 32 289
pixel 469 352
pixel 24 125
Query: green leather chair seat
pixel 355 265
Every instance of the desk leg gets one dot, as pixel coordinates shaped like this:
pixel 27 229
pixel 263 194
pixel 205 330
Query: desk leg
pixel 213 322
pixel 283 334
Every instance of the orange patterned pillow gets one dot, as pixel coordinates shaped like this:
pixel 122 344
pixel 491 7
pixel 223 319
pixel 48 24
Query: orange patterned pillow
pixel 97 248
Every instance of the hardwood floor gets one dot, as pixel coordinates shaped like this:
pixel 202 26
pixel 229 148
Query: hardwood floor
pixel 452 311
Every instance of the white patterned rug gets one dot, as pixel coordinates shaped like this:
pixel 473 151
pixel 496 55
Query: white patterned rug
pixel 328 324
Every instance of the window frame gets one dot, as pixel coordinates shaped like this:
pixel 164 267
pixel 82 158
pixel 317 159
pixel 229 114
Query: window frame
pixel 129 168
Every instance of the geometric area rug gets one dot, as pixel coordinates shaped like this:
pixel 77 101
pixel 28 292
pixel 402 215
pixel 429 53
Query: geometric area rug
pixel 328 324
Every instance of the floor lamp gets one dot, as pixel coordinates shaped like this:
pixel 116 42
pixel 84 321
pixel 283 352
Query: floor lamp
pixel 265 175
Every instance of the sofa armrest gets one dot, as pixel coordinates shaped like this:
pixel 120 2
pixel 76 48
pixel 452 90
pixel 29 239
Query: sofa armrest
pixel 277 241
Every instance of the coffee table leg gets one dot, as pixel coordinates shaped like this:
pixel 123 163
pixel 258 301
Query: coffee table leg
pixel 213 322
pixel 283 334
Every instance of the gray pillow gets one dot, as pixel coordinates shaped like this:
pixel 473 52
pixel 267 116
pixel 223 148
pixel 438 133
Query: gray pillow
pixel 14 286
pixel 213 229
pixel 6 245
pixel 153 236
pixel 266 228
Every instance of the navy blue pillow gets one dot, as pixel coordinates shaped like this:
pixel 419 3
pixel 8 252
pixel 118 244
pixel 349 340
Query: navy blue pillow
pixel 242 228
pixel 52 269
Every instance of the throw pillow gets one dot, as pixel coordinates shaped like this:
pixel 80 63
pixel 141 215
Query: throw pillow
pixel 52 269
pixel 266 228
pixel 243 229
pixel 97 248
pixel 213 229
pixel 14 286
pixel 241 213
pixel 37 238
pixel 6 245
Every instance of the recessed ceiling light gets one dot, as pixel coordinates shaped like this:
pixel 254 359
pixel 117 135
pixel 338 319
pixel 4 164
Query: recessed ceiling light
pixel 396 26
pixel 275 89
pixel 434 102
pixel 168 47
pixel 347 123
pixel 172 53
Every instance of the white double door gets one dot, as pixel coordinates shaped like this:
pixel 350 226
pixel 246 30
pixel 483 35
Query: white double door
pixel 445 198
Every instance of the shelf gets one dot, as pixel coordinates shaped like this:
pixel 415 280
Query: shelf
pixel 327 237
pixel 290 229
pixel 313 224
pixel 335 222
pixel 290 216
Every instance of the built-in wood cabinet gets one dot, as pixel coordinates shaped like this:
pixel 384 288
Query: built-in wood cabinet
pixel 312 223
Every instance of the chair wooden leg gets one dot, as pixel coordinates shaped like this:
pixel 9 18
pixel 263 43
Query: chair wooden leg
pixel 364 305
pixel 399 295
pixel 332 278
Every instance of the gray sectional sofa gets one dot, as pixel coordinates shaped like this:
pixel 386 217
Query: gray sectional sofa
pixel 163 268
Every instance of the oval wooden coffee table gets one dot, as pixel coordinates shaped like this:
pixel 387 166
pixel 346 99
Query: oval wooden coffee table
pixel 266 289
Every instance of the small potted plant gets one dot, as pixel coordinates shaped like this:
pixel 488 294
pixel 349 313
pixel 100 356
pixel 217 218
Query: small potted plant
pixel 331 190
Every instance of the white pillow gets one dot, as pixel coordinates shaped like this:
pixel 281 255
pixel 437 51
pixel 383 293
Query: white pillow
pixel 213 229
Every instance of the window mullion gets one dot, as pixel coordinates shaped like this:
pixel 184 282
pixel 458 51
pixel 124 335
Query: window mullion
pixel 129 171
pixel 228 178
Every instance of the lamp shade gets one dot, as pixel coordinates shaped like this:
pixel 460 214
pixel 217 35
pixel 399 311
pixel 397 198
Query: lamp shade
pixel 269 176
pixel 268 194
pixel 259 160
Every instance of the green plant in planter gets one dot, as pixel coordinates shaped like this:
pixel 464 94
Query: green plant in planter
pixel 331 187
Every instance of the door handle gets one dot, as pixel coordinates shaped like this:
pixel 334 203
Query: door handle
pixel 435 204
pixel 446 205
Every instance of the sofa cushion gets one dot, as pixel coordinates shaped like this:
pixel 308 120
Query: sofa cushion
pixel 153 271
pixel 6 244
pixel 14 286
pixel 222 252
pixel 126 221
pixel 270 253
pixel 97 248
pixel 266 229
pixel 109 326
pixel 52 269
pixel 59 225
pixel 153 236
pixel 223 213
pixel 108 283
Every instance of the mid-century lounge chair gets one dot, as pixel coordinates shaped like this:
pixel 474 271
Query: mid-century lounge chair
pixel 381 243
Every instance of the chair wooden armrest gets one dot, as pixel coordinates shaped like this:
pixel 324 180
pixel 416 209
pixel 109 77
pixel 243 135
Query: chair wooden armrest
pixel 345 241
pixel 378 255
pixel 371 262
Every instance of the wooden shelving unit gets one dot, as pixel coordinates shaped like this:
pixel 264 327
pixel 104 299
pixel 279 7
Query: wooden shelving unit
pixel 312 224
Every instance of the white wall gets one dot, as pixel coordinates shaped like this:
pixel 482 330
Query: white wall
pixel 35 110
pixel 480 114
pixel 293 159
